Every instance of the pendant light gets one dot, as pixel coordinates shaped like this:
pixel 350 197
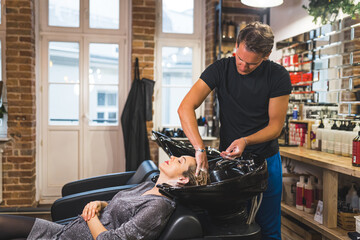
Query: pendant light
pixel 262 3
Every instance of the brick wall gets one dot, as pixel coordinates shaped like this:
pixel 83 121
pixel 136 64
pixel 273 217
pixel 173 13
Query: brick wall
pixel 143 47
pixel 19 154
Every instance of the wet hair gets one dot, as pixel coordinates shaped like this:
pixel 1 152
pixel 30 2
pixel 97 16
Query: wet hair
pixel 258 38
pixel 201 179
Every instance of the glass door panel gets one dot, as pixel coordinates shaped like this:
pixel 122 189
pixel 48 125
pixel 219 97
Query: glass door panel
pixel 104 16
pixel 63 83
pixel 103 83
pixel 178 16
pixel 176 81
pixel 64 13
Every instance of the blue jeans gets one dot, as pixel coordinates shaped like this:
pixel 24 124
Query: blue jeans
pixel 269 214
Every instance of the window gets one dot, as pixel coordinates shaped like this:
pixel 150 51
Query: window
pixel 64 13
pixel 101 99
pixel 104 15
pixel 63 82
pixel 97 32
pixel 178 16
pixel 179 57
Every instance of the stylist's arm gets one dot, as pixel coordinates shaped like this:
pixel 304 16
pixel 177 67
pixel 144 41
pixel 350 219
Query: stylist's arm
pixel 186 111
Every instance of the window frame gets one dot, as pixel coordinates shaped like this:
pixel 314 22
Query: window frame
pixel 195 41
pixel 84 20
pixel 198 14
pixel 196 66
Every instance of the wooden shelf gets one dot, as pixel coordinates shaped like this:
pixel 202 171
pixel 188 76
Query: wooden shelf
pixel 308 219
pixel 325 160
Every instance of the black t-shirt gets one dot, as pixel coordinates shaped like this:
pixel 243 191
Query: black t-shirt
pixel 244 100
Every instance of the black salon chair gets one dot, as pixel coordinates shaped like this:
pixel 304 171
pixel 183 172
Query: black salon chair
pixel 77 194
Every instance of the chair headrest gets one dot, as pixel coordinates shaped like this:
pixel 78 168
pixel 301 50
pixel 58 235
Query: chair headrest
pixel 146 168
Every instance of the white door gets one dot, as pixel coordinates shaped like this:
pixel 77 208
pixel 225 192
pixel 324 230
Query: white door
pixel 83 94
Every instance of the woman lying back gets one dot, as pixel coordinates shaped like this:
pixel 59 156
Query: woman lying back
pixel 138 213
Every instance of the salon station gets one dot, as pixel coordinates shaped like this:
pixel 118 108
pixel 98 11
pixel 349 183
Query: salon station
pixel 225 119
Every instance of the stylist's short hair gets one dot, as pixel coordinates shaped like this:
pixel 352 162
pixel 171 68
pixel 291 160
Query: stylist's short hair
pixel 201 179
pixel 258 38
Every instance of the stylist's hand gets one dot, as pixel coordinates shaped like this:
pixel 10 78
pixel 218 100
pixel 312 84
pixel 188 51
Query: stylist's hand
pixel 91 209
pixel 235 149
pixel 201 162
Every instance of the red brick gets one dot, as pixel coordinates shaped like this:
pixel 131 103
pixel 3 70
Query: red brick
pixel 143 9
pixel 18 3
pixel 19 18
pixel 23 60
pixel 144 23
pixel 143 51
pixel 26 10
pixel 19 202
pixel 143 37
pixel 18 187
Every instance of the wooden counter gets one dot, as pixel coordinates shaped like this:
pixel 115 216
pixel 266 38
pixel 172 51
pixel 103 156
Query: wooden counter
pixel 332 164
pixel 325 160
pixel 308 219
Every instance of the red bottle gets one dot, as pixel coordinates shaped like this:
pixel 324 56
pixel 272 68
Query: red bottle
pixel 356 150
pixel 300 193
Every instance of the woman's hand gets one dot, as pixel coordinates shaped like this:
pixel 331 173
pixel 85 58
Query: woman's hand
pixel 235 149
pixel 91 209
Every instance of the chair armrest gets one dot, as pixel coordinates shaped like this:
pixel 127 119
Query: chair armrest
pixel 73 205
pixel 183 224
pixel 99 182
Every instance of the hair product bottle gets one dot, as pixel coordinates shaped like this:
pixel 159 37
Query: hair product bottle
pixel 309 196
pixel 300 193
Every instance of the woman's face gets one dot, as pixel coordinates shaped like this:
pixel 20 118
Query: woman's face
pixel 175 166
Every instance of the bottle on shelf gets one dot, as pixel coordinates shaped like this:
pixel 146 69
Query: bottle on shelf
pixel 350 136
pixel 354 199
pixel 231 30
pixel 356 150
pixel 224 29
pixel 309 196
pixel 331 137
pixel 295 112
pixel 325 133
pixel 300 193
pixel 344 139
pixel 314 128
pixel 338 138
pixel 318 133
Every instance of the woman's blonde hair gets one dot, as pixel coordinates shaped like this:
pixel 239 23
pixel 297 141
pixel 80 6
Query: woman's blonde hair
pixel 202 178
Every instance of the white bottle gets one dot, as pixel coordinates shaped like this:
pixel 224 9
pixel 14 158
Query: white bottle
pixel 300 193
pixel 309 196
pixel 325 133
pixel 338 141
pixel 345 142
pixel 331 137
pixel 354 204
pixel 314 128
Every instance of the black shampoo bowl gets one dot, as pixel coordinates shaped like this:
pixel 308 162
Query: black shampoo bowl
pixel 221 206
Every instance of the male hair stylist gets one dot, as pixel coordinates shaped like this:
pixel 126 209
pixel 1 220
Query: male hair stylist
pixel 253 94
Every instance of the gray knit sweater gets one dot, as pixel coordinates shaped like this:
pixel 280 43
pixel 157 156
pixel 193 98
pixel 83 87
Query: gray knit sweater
pixel 128 216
